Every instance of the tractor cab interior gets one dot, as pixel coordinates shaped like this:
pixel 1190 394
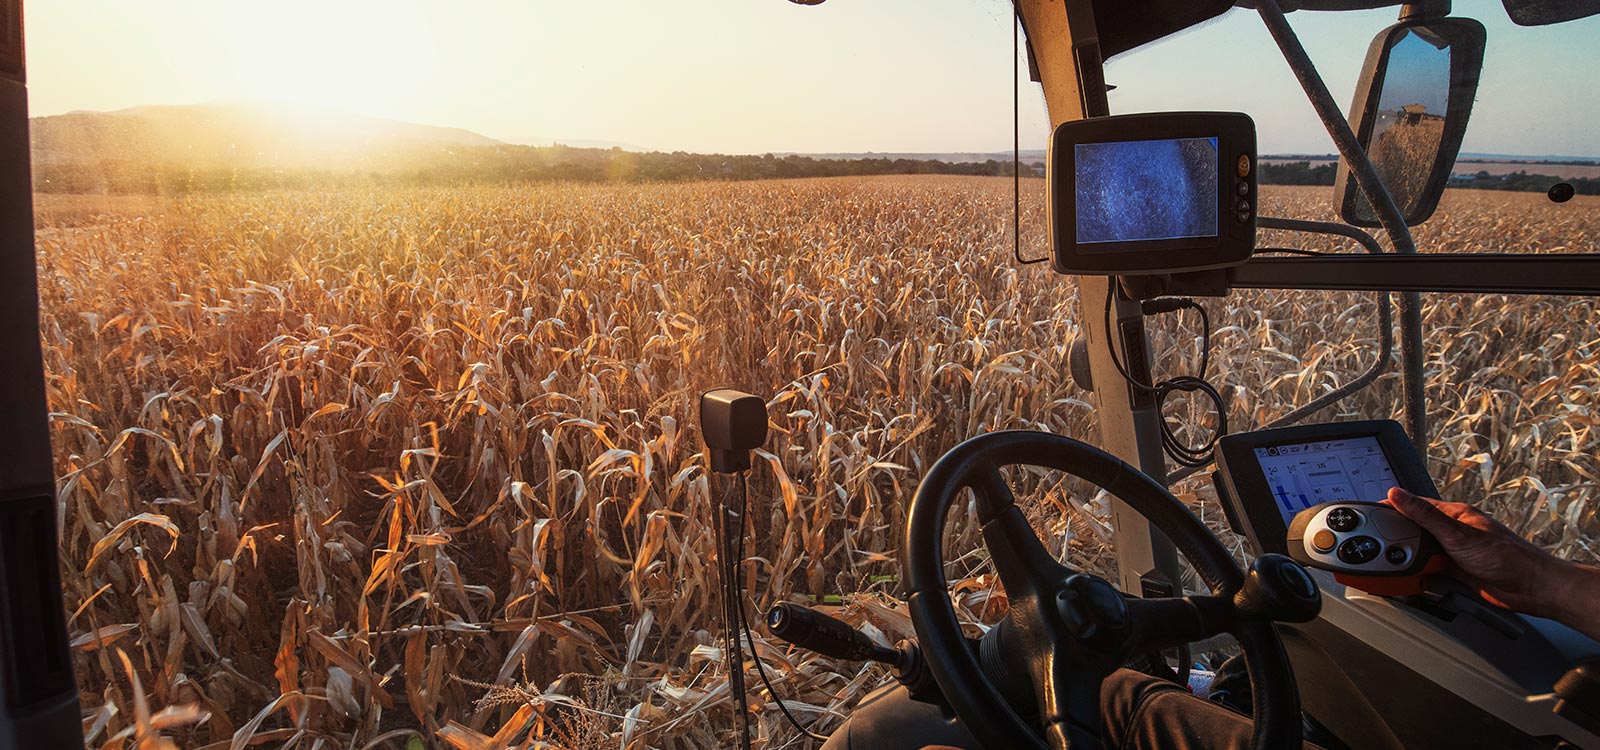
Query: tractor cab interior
pixel 1353 635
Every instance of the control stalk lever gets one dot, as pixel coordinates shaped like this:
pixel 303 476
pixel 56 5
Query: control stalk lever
pixel 815 631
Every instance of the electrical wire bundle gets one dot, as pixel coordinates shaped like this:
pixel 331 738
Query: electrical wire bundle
pixel 1184 454
pixel 730 530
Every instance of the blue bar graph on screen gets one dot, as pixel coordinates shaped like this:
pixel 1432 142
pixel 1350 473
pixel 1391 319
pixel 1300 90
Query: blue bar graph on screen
pixel 1287 500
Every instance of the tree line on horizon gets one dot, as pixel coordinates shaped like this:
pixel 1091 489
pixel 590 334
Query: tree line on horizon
pixel 1303 173
pixel 487 165
pixel 493 165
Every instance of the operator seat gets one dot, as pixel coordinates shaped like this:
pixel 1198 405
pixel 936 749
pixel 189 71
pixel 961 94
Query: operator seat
pixel 889 719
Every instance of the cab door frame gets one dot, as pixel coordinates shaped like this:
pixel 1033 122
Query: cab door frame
pixel 38 697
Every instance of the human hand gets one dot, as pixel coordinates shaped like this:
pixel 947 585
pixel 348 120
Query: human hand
pixel 1506 569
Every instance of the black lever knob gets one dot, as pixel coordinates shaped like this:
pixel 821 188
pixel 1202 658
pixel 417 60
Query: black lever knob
pixel 1279 589
pixel 812 630
pixel 1094 610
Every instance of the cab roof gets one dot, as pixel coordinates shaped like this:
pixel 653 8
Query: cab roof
pixel 1125 25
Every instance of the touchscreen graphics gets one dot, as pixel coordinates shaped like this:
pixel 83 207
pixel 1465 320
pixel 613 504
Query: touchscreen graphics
pixel 1305 474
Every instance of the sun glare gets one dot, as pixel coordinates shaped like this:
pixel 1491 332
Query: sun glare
pixel 355 56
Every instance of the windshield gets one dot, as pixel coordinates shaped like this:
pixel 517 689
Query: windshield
pixel 1527 132
pixel 1527 135
pixel 374 334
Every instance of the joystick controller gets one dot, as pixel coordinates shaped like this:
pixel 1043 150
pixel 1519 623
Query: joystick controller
pixel 1368 546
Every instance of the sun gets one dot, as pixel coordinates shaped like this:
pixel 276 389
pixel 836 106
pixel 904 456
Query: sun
pixel 357 56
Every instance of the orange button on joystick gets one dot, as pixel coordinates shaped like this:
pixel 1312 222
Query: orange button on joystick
pixel 1323 541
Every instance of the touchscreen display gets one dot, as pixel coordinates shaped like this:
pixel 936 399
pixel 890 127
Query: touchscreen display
pixel 1305 474
pixel 1130 191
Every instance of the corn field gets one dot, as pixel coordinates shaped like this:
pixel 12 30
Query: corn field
pixel 420 467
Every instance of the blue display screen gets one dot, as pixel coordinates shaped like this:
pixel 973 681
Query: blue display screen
pixel 1129 191
pixel 1306 474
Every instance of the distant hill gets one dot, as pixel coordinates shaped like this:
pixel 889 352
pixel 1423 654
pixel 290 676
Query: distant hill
pixel 1530 158
pixel 209 136
pixel 952 157
pixel 228 147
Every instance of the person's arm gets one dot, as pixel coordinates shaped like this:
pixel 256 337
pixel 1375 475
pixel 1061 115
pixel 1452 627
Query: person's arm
pixel 1578 599
pixel 1505 568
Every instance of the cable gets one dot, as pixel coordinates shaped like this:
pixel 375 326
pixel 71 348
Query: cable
pixel 761 669
pixel 1382 201
pixel 1180 452
pixel 733 652
pixel 731 580
pixel 1288 251
pixel 1016 145
pixel 1385 333
pixel 744 620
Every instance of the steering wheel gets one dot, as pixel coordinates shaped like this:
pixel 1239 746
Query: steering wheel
pixel 1069 630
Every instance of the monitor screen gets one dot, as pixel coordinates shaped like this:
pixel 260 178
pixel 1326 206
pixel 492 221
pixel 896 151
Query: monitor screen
pixel 1301 475
pixel 1129 191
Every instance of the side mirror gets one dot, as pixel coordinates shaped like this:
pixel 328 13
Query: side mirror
pixel 1410 111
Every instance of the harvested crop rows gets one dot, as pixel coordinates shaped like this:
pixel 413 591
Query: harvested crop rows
pixel 412 468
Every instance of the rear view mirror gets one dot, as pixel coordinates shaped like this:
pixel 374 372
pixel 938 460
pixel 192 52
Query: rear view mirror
pixel 1545 12
pixel 1410 111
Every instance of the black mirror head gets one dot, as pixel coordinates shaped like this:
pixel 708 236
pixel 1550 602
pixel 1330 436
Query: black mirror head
pixel 732 423
pixel 1410 113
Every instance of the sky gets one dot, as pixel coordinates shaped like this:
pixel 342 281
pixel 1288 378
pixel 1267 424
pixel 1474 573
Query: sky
pixel 746 76
pixel 1421 75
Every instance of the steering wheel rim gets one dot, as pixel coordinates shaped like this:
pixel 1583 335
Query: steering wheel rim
pixel 975 464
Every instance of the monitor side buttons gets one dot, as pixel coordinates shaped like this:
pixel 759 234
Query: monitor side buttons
pixel 1243 211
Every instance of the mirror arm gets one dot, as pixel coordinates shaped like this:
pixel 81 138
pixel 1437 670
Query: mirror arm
pixel 1427 10
pixel 1385 325
pixel 1366 176
pixel 1367 241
